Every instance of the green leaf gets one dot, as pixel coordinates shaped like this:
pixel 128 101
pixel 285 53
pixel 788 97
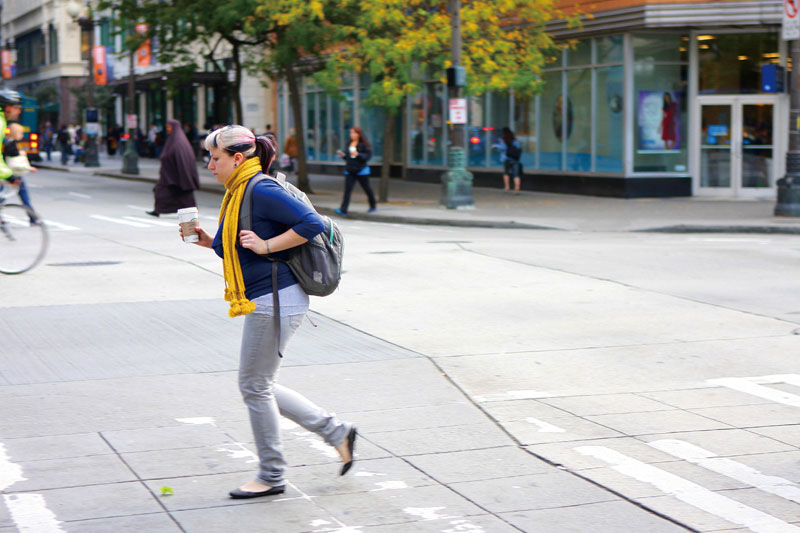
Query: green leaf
pixel 166 491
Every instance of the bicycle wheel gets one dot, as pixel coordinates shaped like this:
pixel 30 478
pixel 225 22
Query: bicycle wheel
pixel 22 243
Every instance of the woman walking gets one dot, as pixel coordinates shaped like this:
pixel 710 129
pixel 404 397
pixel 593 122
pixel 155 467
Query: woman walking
pixel 356 169
pixel 279 222
pixel 512 152
pixel 177 177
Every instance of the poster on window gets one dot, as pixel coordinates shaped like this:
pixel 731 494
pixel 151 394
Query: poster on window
pixel 659 121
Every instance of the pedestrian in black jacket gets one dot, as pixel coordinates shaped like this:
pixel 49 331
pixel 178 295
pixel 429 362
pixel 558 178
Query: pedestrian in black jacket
pixel 356 169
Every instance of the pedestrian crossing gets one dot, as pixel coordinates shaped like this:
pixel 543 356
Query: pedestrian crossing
pixel 122 220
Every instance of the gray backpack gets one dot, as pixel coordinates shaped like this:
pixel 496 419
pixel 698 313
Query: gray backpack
pixel 317 264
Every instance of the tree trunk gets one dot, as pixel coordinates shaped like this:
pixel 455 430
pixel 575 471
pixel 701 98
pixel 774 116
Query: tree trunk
pixel 299 134
pixel 237 84
pixel 388 155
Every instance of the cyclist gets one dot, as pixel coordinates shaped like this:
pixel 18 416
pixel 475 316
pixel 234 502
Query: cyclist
pixel 10 110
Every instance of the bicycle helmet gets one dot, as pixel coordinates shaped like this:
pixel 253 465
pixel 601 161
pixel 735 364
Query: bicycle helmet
pixel 9 97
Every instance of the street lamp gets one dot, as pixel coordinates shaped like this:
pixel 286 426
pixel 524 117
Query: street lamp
pixel 75 11
pixel 457 181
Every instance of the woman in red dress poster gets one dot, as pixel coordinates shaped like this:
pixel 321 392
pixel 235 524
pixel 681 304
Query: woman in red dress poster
pixel 668 121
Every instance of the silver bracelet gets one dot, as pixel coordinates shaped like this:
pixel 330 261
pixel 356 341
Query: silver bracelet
pixel 267 243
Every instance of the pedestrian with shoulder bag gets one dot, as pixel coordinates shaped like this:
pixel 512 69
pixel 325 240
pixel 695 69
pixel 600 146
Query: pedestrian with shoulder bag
pixel 261 286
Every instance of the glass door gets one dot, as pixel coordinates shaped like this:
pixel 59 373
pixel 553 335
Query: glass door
pixel 737 146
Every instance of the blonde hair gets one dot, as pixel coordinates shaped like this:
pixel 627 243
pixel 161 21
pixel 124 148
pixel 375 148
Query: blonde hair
pixel 233 139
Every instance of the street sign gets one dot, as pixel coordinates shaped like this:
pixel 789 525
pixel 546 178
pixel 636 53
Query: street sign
pixel 458 111
pixel 791 20
pixel 92 129
pixel 132 122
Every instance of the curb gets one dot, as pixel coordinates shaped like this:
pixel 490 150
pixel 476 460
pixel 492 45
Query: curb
pixel 425 221
pixel 695 228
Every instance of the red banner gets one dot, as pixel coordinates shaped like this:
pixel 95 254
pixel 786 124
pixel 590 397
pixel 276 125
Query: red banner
pixel 5 57
pixel 100 67
pixel 143 53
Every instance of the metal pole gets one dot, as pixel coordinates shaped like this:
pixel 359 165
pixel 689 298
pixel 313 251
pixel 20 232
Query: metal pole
pixel 130 159
pixel 788 187
pixel 457 181
pixel 91 139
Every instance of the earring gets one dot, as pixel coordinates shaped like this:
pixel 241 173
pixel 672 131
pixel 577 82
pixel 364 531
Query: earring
pixel 235 165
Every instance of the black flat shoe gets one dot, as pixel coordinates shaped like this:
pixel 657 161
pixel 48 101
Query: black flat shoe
pixel 239 494
pixel 351 444
pixel 152 213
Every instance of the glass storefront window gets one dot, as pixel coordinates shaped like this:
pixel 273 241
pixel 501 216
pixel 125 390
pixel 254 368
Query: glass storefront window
pixel 665 47
pixel 608 123
pixel 416 129
pixel 311 125
pixel 476 132
pixel 347 107
pixel 551 122
pixel 499 119
pixel 580 54
pixel 609 49
pixel 731 63
pixel 525 129
pixel 324 128
pixel 579 129
pixel 436 123
pixel 660 133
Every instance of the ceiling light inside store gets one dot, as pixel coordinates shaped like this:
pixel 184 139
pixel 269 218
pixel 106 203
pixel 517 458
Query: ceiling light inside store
pixel 774 54
pixel 705 37
pixel 704 47
pixel 743 58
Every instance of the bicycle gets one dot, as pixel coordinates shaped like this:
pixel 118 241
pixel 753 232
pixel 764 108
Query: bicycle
pixel 23 234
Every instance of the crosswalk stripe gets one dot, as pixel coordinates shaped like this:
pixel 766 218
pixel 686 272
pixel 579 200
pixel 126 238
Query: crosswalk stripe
pixel 753 386
pixel 689 492
pixel 120 221
pixel 154 221
pixel 59 226
pixel 728 467
pixel 79 195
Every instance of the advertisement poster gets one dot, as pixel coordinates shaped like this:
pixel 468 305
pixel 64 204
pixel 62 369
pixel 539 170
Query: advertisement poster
pixel 6 60
pixel 659 121
pixel 100 69
pixel 143 53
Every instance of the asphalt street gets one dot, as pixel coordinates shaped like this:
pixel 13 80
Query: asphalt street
pixel 501 379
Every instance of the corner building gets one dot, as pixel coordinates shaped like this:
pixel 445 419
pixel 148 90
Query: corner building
pixel 654 99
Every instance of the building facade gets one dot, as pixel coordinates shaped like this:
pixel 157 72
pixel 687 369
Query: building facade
pixel 50 58
pixel 651 99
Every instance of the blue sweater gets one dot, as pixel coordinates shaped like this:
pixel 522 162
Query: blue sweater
pixel 274 212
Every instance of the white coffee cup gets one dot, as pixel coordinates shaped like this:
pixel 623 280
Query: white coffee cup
pixel 187 218
pixel 353 151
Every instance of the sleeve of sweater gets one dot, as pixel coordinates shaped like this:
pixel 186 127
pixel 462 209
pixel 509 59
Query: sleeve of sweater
pixel 273 202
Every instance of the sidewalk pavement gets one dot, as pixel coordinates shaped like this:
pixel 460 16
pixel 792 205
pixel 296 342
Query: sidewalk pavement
pixel 418 203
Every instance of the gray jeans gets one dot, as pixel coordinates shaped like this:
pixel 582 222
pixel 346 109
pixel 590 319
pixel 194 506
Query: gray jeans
pixel 267 401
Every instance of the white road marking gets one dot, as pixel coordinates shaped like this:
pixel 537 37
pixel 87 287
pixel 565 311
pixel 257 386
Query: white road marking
pixel 544 427
pixel 200 420
pixel 59 226
pixel 689 492
pixel 367 474
pixel 513 395
pixel 79 195
pixel 427 513
pixel 460 526
pixel 120 221
pixel 153 221
pixel 727 467
pixel 28 511
pixel 390 485
pixel 238 452
pixel 755 387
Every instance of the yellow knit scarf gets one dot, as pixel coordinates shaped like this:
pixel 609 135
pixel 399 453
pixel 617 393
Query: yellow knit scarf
pixel 229 218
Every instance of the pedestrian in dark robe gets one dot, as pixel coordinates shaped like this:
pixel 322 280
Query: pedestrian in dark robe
pixel 177 178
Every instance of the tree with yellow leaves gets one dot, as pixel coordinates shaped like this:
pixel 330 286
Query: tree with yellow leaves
pixel 400 43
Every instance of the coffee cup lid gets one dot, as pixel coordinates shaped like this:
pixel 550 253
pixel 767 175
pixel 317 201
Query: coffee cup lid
pixel 187 210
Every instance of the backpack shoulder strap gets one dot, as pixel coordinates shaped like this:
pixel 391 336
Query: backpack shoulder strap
pixel 246 209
